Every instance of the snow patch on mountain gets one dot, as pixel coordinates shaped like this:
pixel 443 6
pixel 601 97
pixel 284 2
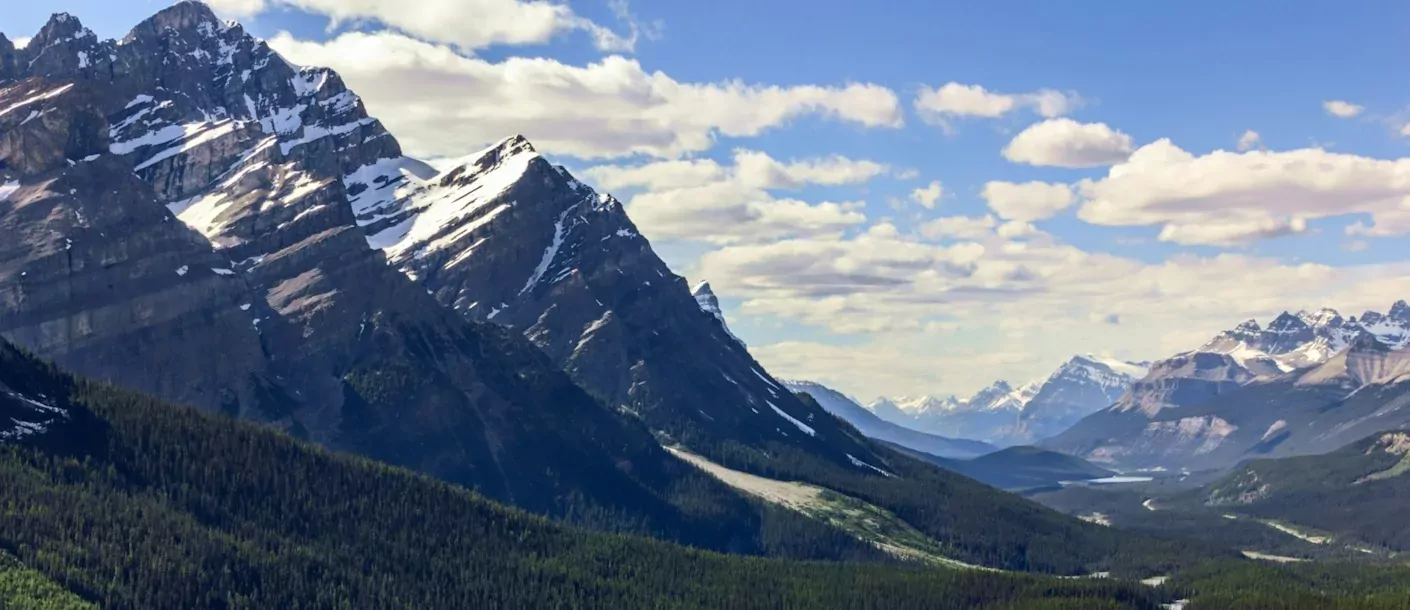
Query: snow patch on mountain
pixel 792 420
pixel 455 196
pixel 27 415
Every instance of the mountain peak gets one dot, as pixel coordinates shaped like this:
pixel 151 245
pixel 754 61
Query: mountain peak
pixel 1400 311
pixel 702 289
pixel 709 303
pixel 1367 343
pixel 510 146
pixel 1248 326
pixel 515 147
pixel 1287 322
pixel 1325 317
pixel 60 27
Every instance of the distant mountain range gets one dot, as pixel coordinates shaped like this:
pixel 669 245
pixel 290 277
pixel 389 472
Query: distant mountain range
pixel 1005 416
pixel 1307 383
pixel 870 424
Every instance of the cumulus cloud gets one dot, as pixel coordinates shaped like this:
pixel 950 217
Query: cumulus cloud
pixel 441 103
pixel 1227 198
pixel 236 9
pixel 991 296
pixel 1026 201
pixel 954 100
pixel 1067 143
pixel 704 201
pixel 1342 109
pixel 1250 140
pixel 928 195
pixel 961 227
pixel 467 24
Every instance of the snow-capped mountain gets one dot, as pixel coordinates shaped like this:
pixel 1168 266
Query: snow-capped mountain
pixel 1294 341
pixel 1004 415
pixel 1257 389
pixel 709 303
pixel 187 214
pixel 506 237
pixel 870 424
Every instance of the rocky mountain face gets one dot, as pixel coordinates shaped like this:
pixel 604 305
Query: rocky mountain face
pixel 1293 341
pixel 1006 416
pixel 709 303
pixel 181 212
pixel 509 238
pixel 872 426
pixel 1211 410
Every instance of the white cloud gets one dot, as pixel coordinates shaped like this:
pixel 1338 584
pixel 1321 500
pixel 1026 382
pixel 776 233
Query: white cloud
pixel 661 175
pixel 1226 198
pixel 960 227
pixel 1250 140
pixel 441 103
pixel 1027 201
pixel 703 201
pixel 467 24
pixel 1404 129
pixel 1009 309
pixel 21 42
pixel 1342 109
pixel 928 195
pixel 236 9
pixel 955 100
pixel 909 173
pixel 1067 143
pixel 761 171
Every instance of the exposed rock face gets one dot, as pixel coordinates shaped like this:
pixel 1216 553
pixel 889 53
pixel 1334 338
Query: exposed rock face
pixel 182 203
pixel 1315 356
pixel 709 303
pixel 98 276
pixel 1204 411
pixel 509 238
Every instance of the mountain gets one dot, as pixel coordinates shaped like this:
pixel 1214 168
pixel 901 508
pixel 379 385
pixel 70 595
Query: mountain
pixel 1356 494
pixel 1294 341
pixel 1005 416
pixel 215 513
pixel 1205 410
pixel 869 424
pixel 509 238
pixel 195 217
pixel 179 212
pixel 709 303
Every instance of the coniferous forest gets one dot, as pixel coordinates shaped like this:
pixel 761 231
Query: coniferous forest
pixel 133 503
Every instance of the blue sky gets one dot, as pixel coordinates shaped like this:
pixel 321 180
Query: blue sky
pixel 835 271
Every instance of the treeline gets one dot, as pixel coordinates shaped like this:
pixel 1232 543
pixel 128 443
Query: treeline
pixel 139 504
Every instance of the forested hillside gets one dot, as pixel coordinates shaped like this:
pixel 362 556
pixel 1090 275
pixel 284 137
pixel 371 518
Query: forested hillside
pixel 132 503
